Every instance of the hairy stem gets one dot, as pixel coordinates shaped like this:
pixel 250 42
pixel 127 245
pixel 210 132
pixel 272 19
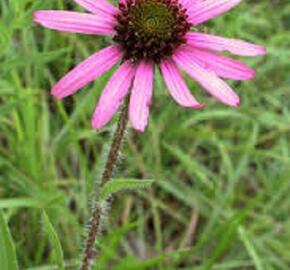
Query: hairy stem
pixel 94 228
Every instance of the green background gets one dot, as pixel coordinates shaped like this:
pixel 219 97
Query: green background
pixel 221 194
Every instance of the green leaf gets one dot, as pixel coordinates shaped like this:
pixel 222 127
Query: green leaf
pixel 19 202
pixel 54 240
pixel 117 185
pixel 8 259
pixel 192 166
pixel 248 243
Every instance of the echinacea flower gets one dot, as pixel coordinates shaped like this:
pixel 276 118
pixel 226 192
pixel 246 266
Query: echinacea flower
pixel 147 33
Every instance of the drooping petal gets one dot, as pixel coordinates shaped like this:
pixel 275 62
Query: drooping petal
pixel 207 79
pixel 208 9
pixel 113 94
pixel 101 7
pixel 141 95
pixel 177 86
pixel 87 71
pixel 223 66
pixel 76 22
pixel 234 46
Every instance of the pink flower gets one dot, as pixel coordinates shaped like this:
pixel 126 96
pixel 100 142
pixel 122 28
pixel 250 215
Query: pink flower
pixel 148 33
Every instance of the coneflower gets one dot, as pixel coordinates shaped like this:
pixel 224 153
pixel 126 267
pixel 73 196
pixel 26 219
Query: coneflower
pixel 145 34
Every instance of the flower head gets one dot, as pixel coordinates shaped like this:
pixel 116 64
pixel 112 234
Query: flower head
pixel 148 33
pixel 150 29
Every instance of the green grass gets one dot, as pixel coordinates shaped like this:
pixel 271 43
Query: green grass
pixel 221 194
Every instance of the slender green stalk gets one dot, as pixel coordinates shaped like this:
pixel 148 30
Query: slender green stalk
pixel 89 251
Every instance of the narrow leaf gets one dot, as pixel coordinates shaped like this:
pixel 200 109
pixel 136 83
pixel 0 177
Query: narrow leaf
pixel 8 259
pixel 54 240
pixel 117 185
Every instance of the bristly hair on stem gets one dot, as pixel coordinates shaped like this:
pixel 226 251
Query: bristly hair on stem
pixel 95 222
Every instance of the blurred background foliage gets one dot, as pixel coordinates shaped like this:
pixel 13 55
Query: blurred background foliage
pixel 221 193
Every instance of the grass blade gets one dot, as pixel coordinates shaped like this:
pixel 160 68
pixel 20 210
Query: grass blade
pixel 8 259
pixel 54 240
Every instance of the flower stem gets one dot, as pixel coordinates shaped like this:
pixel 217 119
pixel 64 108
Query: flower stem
pixel 94 228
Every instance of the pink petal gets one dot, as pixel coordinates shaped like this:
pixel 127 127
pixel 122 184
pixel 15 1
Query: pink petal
pixel 207 79
pixel 101 7
pixel 234 46
pixel 205 10
pixel 70 21
pixel 141 94
pixel 188 3
pixel 177 86
pixel 223 66
pixel 113 94
pixel 87 71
